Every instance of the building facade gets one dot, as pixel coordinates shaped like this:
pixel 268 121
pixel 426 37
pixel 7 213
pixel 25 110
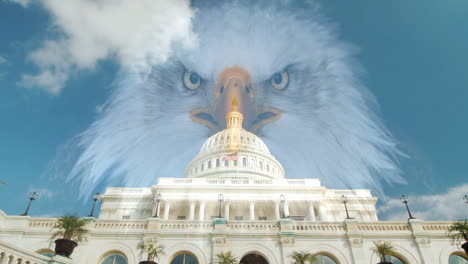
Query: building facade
pixel 234 197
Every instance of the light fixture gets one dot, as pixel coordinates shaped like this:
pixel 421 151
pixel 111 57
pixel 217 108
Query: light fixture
pixel 96 197
pixel 405 200
pixel 32 196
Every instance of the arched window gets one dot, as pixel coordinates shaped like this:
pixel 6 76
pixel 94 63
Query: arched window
pixel 209 164
pixel 226 163
pixel 324 259
pixel 268 167
pixel 115 258
pixel 217 163
pixel 458 259
pixel 202 167
pixel 184 258
pixel 244 162
pixel 260 165
pixel 394 260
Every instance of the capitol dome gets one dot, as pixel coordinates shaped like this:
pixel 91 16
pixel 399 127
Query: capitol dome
pixel 234 153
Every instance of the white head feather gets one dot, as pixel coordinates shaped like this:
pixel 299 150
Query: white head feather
pixel 328 129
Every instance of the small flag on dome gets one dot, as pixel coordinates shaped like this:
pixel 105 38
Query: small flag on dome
pixel 231 156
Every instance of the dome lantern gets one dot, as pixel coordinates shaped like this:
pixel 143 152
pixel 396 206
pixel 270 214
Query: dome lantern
pixel 234 153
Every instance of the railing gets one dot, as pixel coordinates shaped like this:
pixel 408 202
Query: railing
pixel 257 226
pixel 312 227
pixel 436 226
pixel 42 223
pixel 12 254
pixel 119 225
pixel 237 181
pixel 128 191
pixel 181 225
pixel 384 226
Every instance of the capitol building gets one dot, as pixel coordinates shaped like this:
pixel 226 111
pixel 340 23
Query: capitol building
pixel 234 197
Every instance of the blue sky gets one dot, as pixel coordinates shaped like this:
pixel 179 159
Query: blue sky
pixel 414 53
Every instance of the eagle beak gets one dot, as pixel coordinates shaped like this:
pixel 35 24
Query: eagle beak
pixel 235 84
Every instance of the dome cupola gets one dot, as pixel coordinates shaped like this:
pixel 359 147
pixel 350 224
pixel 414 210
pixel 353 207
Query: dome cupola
pixel 234 153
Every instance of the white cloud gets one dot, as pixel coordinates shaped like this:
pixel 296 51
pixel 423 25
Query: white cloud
pixel 136 34
pixel 442 206
pixel 2 60
pixel 42 192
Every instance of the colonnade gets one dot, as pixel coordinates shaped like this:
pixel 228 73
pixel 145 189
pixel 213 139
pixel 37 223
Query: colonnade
pixel 280 209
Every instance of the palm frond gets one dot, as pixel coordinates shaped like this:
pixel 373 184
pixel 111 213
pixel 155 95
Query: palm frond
pixel 153 250
pixel 302 257
pixel 383 249
pixel 458 231
pixel 226 258
pixel 70 227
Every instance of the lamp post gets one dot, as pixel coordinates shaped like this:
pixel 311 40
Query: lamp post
pixel 32 196
pixel 465 199
pixel 404 199
pixel 96 197
pixel 344 200
pixel 283 201
pixel 158 200
pixel 220 200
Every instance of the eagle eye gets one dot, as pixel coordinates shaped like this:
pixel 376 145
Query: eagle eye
pixel 192 81
pixel 279 81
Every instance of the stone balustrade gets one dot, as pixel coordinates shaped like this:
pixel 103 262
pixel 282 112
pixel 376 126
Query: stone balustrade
pixel 234 181
pixel 10 254
pixel 41 225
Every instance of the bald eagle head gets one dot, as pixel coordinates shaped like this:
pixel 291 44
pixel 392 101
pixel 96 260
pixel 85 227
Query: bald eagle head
pixel 296 84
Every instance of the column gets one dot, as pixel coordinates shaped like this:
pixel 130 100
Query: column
pixel 226 209
pixel 201 211
pixel 277 210
pixel 286 209
pixel 322 212
pixel 192 210
pixel 311 216
pixel 252 210
pixel 167 207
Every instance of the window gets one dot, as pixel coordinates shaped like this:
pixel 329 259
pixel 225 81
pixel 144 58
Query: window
pixel 202 167
pixel 457 259
pixel 209 164
pixel 217 163
pixel 115 258
pixel 184 259
pixel 244 162
pixel 260 164
pixel 268 167
pixel 262 218
pixel 238 217
pixel 181 217
pixel 125 217
pixel 226 163
pixel 323 259
pixel 394 260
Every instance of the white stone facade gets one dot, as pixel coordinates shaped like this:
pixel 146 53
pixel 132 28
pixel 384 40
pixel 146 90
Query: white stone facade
pixel 345 242
pixel 261 212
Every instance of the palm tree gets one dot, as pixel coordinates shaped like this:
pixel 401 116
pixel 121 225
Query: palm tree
pixel 302 257
pixel 226 258
pixel 458 231
pixel 152 250
pixel 383 250
pixel 70 227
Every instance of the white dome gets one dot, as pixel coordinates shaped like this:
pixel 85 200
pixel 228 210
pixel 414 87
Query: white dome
pixel 234 153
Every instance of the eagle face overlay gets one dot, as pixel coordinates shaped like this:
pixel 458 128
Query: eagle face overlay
pixel 296 84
